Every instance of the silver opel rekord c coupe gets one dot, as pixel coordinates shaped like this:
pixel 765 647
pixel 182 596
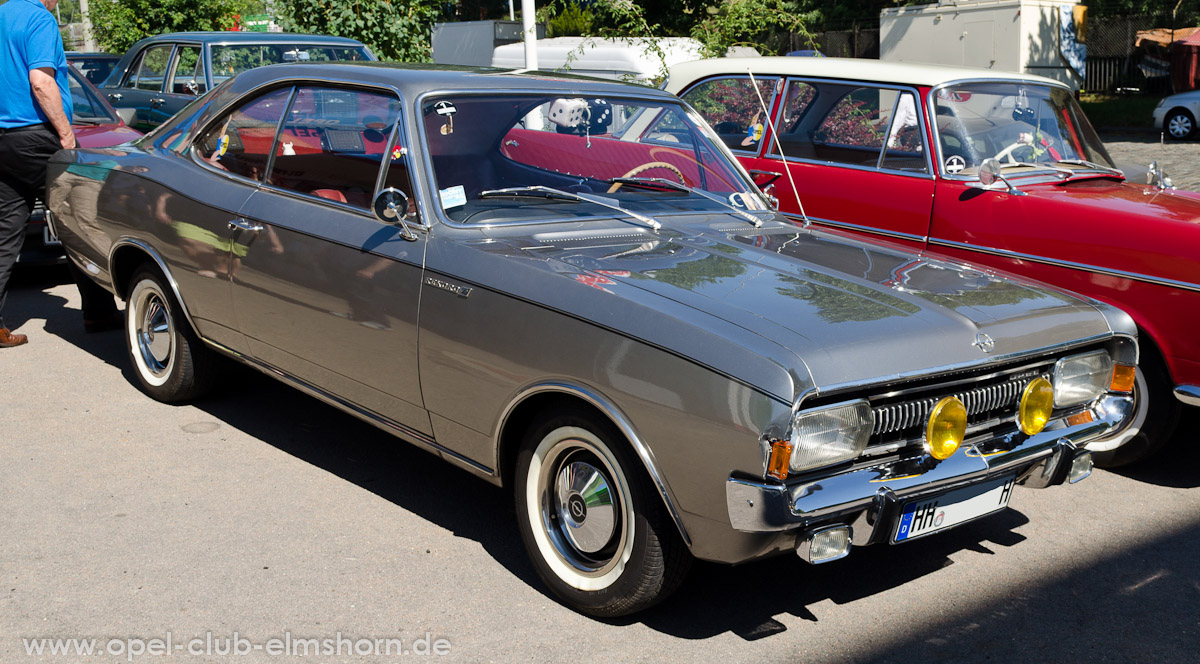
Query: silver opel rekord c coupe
pixel 569 287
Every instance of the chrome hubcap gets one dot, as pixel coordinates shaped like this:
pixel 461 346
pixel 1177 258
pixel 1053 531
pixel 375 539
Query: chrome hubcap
pixel 585 507
pixel 154 334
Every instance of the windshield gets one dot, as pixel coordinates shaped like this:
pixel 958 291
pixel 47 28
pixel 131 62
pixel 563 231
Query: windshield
pixel 228 61
pixel 1015 123
pixel 634 154
pixel 86 107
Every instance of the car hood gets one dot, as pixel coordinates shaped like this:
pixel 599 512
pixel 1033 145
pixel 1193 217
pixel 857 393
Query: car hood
pixel 849 310
pixel 104 135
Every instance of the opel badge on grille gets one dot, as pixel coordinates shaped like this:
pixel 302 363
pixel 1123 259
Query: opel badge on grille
pixel 984 343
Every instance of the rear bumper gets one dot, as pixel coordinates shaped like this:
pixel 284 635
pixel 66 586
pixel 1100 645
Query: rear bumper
pixel 869 499
pixel 1189 394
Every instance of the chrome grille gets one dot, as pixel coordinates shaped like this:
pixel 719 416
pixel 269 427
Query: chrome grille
pixel 981 402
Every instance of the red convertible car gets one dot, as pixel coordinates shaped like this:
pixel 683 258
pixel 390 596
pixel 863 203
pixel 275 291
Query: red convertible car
pixel 991 168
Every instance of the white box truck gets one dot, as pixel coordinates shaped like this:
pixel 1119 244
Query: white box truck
pixel 1040 37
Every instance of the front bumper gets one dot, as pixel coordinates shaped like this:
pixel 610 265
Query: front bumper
pixel 869 499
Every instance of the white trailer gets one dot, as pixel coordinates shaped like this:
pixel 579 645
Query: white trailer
pixel 1025 36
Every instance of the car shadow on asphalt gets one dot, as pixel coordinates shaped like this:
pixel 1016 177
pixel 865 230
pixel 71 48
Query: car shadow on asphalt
pixel 715 599
pixel 30 300
pixel 1184 455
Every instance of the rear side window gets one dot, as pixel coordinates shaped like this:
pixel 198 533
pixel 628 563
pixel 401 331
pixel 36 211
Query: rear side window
pixel 188 77
pixel 154 68
pixel 241 142
pixel 333 143
pixel 733 108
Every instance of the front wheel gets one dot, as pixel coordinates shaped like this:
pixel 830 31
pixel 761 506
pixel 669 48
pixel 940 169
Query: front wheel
pixel 169 360
pixel 1179 124
pixel 597 533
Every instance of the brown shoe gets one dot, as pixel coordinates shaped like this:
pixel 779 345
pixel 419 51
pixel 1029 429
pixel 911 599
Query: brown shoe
pixel 8 339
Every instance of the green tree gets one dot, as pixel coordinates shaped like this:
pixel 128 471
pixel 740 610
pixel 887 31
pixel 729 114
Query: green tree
pixel 117 24
pixel 394 29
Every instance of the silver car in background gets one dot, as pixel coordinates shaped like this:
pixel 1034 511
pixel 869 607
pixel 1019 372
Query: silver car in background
pixel 568 287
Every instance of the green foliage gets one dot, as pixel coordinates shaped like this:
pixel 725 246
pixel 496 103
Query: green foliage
pixel 117 24
pixel 748 23
pixel 394 29
pixel 570 21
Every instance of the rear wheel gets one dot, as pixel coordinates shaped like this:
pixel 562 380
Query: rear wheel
pixel 597 533
pixel 169 360
pixel 1156 412
pixel 1179 124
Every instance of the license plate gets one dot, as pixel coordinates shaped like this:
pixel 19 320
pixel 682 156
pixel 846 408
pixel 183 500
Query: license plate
pixel 49 238
pixel 929 515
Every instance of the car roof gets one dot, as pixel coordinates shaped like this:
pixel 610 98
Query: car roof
pixel 248 37
pixel 854 69
pixel 412 79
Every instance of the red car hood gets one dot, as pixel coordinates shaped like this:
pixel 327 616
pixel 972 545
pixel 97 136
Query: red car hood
pixel 104 135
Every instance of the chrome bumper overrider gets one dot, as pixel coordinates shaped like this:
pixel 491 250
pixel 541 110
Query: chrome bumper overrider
pixel 869 499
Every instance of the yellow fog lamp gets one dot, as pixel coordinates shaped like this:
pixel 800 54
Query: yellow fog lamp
pixel 946 428
pixel 1037 403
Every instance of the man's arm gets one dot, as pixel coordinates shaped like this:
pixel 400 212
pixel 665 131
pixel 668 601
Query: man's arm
pixel 45 91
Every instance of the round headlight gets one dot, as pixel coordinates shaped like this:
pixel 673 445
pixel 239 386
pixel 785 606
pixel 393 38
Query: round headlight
pixel 1037 403
pixel 946 429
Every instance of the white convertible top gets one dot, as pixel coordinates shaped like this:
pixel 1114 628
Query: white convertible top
pixel 853 69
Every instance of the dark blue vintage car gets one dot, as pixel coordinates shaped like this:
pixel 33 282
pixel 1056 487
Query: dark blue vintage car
pixel 160 75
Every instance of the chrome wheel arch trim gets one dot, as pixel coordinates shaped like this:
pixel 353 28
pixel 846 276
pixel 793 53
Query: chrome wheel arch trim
pixel 1146 278
pixel 153 254
pixel 618 419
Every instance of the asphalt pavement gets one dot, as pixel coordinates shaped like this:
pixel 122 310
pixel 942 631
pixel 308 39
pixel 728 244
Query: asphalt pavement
pixel 260 513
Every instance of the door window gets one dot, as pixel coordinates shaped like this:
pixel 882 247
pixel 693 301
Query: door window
pixel 241 141
pixel 131 76
pixel 847 124
pixel 734 109
pixel 154 67
pixel 188 76
pixel 333 143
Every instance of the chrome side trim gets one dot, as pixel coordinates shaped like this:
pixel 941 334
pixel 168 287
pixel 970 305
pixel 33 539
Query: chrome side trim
pixel 856 227
pixel 127 241
pixel 1189 394
pixel 1158 281
pixel 615 415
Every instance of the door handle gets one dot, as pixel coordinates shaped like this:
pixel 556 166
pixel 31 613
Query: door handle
pixel 116 96
pixel 158 102
pixel 242 224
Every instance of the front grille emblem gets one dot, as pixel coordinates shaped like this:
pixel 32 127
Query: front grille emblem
pixel 984 343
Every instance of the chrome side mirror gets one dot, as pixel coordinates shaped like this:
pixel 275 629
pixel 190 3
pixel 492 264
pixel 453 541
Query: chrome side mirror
pixel 769 192
pixel 989 174
pixel 391 207
pixel 192 88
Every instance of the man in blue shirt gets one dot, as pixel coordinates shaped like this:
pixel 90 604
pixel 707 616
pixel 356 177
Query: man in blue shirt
pixel 35 121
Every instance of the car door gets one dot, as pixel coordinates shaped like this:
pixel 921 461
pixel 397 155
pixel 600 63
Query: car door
pixel 855 153
pixel 323 290
pixel 232 154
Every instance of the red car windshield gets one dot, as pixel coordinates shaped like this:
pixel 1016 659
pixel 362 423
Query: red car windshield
pixel 1014 122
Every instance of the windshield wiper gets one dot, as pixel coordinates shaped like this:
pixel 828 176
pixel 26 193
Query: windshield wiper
pixel 550 192
pixel 679 186
pixel 1091 164
pixel 1064 173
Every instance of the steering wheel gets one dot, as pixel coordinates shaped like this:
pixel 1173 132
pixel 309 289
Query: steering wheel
pixel 647 166
pixel 1007 152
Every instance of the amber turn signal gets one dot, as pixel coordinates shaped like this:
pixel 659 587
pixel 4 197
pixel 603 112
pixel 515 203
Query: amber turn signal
pixel 1123 378
pixel 1080 418
pixel 780 459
